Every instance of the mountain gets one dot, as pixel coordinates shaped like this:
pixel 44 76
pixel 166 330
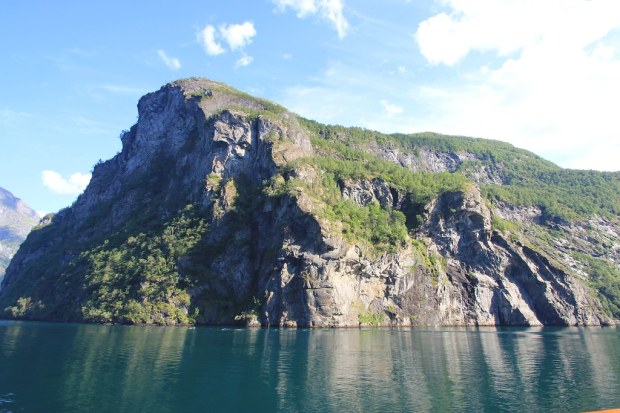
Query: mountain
pixel 16 221
pixel 223 208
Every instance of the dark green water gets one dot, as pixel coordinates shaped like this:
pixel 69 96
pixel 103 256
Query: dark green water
pixel 83 368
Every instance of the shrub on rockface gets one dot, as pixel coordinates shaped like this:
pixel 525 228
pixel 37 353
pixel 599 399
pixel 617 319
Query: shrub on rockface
pixel 141 279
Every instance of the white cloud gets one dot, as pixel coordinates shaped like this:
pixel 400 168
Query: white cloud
pixel 244 61
pixel 73 185
pixel 331 10
pixel 553 82
pixel 207 39
pixel 172 62
pixel 302 7
pixel 439 40
pixel 390 108
pixel 238 35
pixel 508 26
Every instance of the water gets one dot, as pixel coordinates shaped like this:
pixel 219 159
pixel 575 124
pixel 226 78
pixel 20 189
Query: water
pixel 85 368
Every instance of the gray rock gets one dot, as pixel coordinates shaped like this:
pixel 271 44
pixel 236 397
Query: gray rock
pixel 16 221
pixel 197 142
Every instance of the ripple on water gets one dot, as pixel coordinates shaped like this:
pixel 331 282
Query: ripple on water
pixel 54 367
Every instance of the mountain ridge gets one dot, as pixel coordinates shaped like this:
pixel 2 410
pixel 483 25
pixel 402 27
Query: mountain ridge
pixel 16 220
pixel 222 208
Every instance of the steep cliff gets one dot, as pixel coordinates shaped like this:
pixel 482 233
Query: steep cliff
pixel 16 221
pixel 222 208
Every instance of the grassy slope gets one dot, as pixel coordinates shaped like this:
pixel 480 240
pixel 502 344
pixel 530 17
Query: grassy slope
pixel 528 180
pixel 138 274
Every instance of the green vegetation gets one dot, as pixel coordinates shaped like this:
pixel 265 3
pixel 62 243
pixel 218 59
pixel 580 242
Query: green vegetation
pixel 433 262
pixel 605 280
pixel 22 300
pixel 502 225
pixel 24 307
pixel 359 138
pixel 420 187
pixel 371 318
pixel 526 178
pixel 213 181
pixel 265 104
pixel 250 314
pixel 382 229
pixel 143 256
pixel 140 274
pixel 252 106
pixel 271 113
pixel 562 193
pixel 138 280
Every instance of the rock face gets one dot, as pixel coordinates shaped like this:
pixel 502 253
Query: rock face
pixel 504 282
pixel 16 221
pixel 215 213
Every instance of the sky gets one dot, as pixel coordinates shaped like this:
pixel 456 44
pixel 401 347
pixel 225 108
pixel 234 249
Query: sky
pixel 542 75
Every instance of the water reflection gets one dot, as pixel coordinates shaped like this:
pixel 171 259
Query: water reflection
pixel 54 367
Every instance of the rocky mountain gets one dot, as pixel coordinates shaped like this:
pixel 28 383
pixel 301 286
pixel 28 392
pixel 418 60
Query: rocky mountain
pixel 223 208
pixel 16 221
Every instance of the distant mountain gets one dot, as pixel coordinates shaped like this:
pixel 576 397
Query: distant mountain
pixel 16 221
pixel 224 208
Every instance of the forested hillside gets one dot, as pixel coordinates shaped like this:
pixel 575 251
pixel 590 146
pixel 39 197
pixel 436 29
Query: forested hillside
pixel 223 208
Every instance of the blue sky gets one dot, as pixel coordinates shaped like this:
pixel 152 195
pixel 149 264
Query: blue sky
pixel 542 75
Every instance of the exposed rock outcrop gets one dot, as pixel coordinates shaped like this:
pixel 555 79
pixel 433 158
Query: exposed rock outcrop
pixel 209 216
pixel 16 221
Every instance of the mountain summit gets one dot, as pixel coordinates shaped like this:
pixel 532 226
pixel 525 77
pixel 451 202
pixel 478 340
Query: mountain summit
pixel 223 208
pixel 16 220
